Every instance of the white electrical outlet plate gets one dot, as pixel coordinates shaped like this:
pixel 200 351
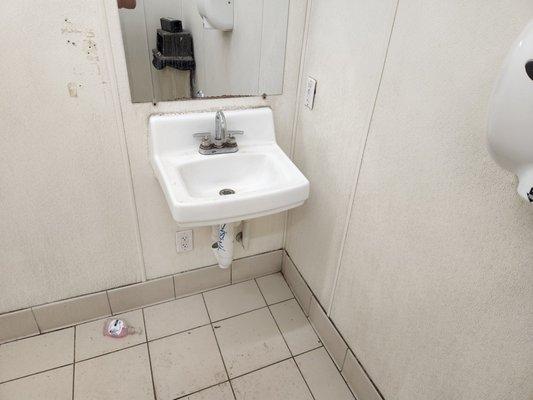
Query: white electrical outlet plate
pixel 310 92
pixel 184 241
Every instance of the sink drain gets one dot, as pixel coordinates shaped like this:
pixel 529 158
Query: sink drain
pixel 225 192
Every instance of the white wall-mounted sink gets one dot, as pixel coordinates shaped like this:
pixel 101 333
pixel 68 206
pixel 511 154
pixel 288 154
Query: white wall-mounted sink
pixel 263 178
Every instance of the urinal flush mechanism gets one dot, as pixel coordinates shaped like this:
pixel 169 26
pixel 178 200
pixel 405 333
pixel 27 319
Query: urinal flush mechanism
pixel 510 130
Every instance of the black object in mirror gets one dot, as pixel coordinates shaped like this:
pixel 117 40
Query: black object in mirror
pixel 529 69
pixel 174 47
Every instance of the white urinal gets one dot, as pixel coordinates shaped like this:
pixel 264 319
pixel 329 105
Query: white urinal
pixel 511 114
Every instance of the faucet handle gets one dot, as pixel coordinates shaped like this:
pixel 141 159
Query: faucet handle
pixel 233 133
pixel 206 139
pixel 202 134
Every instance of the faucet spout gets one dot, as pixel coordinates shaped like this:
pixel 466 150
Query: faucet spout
pixel 220 128
pixel 222 141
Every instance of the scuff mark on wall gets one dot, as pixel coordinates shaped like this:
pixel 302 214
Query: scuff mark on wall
pixel 68 27
pixel 87 36
pixel 72 89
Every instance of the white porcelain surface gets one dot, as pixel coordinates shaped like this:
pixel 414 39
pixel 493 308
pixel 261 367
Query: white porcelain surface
pixel 510 118
pixel 264 179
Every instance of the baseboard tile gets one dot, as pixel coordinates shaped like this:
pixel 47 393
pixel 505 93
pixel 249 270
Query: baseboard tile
pixel 355 375
pixel 68 312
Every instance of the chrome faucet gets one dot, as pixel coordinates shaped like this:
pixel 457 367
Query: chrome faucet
pixel 222 141
pixel 221 128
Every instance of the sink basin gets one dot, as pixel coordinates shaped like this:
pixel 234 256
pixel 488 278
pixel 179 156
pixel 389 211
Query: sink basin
pixel 201 190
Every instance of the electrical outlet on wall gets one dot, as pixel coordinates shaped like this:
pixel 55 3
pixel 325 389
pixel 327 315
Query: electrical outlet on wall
pixel 184 241
pixel 310 91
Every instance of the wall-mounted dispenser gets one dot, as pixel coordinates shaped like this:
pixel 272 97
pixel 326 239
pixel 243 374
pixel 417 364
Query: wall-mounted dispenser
pixel 216 14
pixel 510 133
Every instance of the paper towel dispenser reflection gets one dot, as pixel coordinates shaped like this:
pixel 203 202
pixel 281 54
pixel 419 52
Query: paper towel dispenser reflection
pixel 216 14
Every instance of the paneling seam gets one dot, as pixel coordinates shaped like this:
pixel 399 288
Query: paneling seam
pixel 297 100
pixel 119 115
pixel 359 165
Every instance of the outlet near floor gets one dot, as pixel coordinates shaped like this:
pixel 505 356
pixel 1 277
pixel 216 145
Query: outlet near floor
pixel 184 241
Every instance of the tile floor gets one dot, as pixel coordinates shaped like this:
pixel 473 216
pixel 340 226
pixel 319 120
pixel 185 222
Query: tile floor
pixel 247 341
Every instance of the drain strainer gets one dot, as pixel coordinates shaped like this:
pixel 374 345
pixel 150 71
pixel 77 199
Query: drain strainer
pixel 225 192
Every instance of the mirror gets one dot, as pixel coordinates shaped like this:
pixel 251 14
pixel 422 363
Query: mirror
pixel 180 49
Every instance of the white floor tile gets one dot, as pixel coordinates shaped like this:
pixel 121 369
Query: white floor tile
pixel 322 376
pixel 280 381
pixel 175 316
pixel 295 327
pixel 185 363
pixel 232 300
pixel 51 385
pixel 123 375
pixel 274 288
pixel 250 341
pixel 36 354
pixel 91 342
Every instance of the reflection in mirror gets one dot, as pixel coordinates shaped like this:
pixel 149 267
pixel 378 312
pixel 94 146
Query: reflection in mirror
pixel 178 49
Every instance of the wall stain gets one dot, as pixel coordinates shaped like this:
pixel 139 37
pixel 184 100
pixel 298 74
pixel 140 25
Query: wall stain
pixel 72 89
pixel 84 39
pixel 69 27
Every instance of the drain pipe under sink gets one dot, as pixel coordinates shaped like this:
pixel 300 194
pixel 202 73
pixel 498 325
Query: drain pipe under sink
pixel 224 237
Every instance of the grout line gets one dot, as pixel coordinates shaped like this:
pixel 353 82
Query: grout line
pixel 276 322
pixel 143 307
pixel 177 274
pixel 342 376
pixel 37 334
pixel 35 319
pixel 322 344
pixel 200 390
pixel 271 364
pixel 110 352
pixel 328 353
pixel 218 346
pixel 36 373
pixel 263 367
pixel 303 377
pixel 213 322
pixel 149 355
pixel 250 311
pixel 285 341
pixel 177 333
pixel 18 339
pixel 365 372
pixel 174 287
pixel 109 302
pixel 74 364
pixel 357 172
